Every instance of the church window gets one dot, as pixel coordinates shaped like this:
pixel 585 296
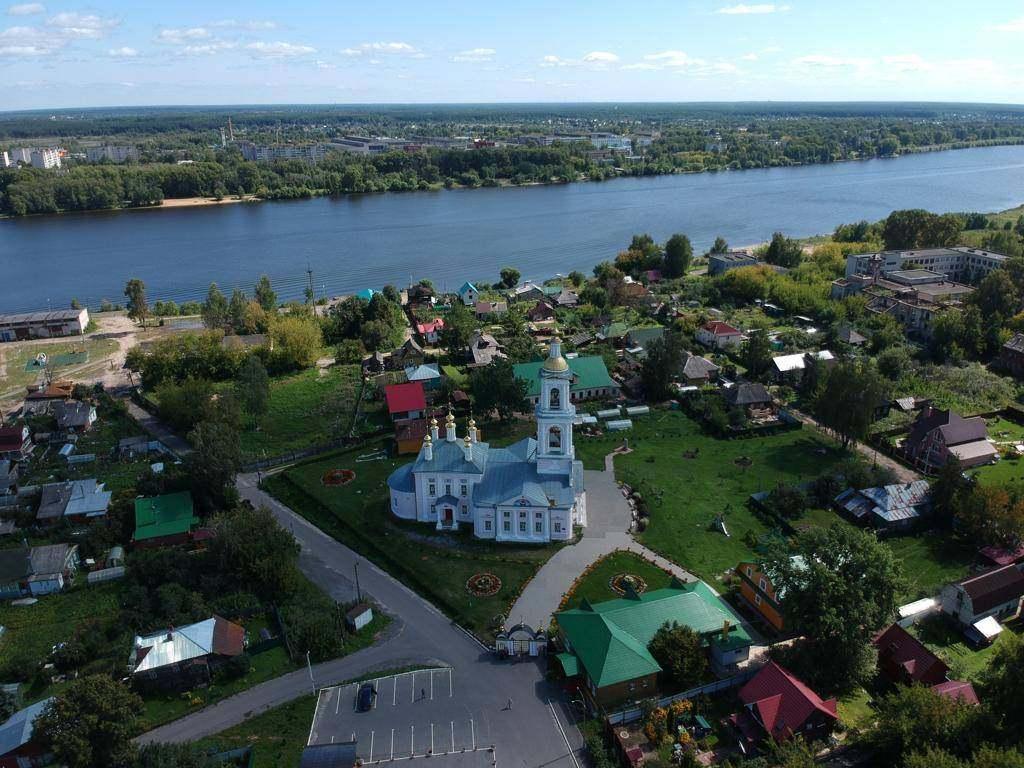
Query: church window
pixel 522 525
pixel 447 487
pixel 507 526
pixel 464 488
pixel 555 439
pixel 555 399
pixel 558 526
pixel 432 488
pixel 487 525
pixel 538 527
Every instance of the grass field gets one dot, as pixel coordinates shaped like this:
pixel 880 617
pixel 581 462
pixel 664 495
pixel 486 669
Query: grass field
pixel 684 495
pixel 929 561
pixel 14 356
pixel 277 736
pixel 855 710
pixel 594 586
pixel 1009 470
pixel 436 565
pixel 307 409
pixel 965 662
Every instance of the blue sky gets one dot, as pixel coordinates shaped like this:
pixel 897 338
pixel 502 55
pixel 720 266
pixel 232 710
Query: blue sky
pixel 69 54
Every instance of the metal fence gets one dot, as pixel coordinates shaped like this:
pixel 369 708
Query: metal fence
pixel 634 714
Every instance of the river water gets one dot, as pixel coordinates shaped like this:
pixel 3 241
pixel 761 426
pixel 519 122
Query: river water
pixel 450 236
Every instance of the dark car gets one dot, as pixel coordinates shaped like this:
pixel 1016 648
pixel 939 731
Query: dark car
pixel 365 697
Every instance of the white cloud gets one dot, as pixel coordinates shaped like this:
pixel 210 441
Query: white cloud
pixel 123 53
pixel 1014 25
pixel 394 48
pixel 252 25
pixel 600 57
pixel 749 57
pixel 906 62
pixel 555 61
pixel 81 25
pixel 279 49
pixel 825 61
pixel 683 63
pixel 475 54
pixel 207 49
pixel 756 9
pixel 25 9
pixel 178 35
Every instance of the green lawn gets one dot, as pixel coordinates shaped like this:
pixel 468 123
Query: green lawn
pixel 855 710
pixel 277 736
pixel 594 586
pixel 1009 470
pixel 306 409
pixel 948 643
pixel 684 495
pixel 435 565
pixel 929 561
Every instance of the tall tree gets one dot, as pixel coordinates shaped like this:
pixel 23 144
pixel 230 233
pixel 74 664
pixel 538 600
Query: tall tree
pixel 255 550
pixel 840 589
pixel 510 277
pixel 678 252
pixel 1002 681
pixel 459 324
pixel 664 360
pixel 135 292
pixel 213 463
pixel 756 353
pixel 297 342
pixel 215 308
pixel 720 245
pixel 253 387
pixel 237 310
pixel 783 252
pixel 495 388
pixel 853 391
pixel 91 723
pixel 265 295
pixel 679 651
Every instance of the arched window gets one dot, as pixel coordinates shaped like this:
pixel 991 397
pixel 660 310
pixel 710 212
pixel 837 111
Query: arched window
pixel 555 399
pixel 555 439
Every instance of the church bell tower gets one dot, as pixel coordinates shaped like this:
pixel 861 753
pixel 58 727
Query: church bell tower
pixel 555 415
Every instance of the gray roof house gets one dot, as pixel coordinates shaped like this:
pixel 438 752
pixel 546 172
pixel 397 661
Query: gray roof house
pixel 8 477
pixel 889 507
pixel 483 349
pixel 36 571
pixel 748 394
pixel 698 369
pixel 16 747
pixel 73 415
pixel 74 500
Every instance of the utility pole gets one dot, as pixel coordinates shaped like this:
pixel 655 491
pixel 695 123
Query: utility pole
pixel 309 666
pixel 310 293
pixel 359 593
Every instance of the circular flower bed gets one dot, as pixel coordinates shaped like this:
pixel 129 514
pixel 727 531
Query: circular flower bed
pixel 619 581
pixel 334 477
pixel 483 584
pixel 743 461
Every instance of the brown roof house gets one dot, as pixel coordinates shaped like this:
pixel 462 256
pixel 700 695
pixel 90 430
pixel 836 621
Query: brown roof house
pixel 483 349
pixel 180 658
pixel 978 602
pixel 902 658
pixel 939 436
pixel 1011 357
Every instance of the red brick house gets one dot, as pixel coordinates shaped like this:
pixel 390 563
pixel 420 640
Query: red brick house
pixel 902 658
pixel 778 705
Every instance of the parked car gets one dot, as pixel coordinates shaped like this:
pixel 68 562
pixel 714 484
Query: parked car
pixel 364 699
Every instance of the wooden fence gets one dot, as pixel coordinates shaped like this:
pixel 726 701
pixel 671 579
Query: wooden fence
pixel 632 715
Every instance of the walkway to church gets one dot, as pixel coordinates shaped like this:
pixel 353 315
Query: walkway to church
pixel 608 519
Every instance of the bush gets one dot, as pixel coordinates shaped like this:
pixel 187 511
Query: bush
pixel 234 668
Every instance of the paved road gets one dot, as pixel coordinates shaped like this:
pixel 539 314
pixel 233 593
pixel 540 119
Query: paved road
pixel 608 521
pixel 157 429
pixel 420 634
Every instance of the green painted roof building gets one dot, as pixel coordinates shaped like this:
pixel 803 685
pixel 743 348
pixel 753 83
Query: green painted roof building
pixel 607 641
pixel 164 519
pixel 590 379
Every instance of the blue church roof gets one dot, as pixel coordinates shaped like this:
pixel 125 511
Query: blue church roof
pixel 451 457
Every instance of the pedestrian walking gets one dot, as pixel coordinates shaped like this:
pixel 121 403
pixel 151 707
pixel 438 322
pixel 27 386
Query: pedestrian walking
pixel 423 693
pixel 509 705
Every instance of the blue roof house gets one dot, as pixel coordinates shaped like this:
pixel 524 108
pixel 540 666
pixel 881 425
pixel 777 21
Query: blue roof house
pixel 469 294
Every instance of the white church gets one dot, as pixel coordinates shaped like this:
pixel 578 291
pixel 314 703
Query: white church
pixel 531 492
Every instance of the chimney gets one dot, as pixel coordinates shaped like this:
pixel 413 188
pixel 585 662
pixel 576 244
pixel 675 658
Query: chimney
pixel 428 446
pixel 449 427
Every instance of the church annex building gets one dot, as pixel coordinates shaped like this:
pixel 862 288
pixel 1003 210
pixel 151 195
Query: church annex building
pixel 530 492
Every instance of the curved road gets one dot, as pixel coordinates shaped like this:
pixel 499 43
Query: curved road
pixel 539 733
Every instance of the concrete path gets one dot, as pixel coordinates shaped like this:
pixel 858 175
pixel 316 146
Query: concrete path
pixel 608 522
pixel 541 732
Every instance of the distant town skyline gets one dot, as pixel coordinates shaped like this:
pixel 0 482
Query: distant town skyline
pixel 112 52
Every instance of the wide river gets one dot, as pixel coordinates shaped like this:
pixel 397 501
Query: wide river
pixel 450 236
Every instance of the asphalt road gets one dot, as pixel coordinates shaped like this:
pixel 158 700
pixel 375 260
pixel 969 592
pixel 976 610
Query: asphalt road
pixel 537 731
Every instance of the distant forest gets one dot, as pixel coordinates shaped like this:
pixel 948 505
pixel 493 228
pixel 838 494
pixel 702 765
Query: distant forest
pixel 690 138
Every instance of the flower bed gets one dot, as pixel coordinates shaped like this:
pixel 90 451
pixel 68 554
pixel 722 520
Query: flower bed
pixel 619 581
pixel 338 477
pixel 483 584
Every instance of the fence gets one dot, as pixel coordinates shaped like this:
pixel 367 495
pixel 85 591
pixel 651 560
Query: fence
pixel 632 715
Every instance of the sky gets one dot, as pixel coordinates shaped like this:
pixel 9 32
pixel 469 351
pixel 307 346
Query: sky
pixel 114 52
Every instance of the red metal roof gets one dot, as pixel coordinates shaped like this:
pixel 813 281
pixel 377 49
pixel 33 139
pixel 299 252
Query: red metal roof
pixel 228 637
pixel 958 690
pixel 431 325
pixel 402 398
pixel 719 328
pixel 11 438
pixel 782 702
pixel 994 587
pixel 902 655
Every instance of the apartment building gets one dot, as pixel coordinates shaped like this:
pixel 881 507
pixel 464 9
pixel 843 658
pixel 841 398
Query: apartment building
pixel 112 153
pixel 960 263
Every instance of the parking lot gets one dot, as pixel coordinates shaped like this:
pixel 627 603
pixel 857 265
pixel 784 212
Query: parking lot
pixel 414 713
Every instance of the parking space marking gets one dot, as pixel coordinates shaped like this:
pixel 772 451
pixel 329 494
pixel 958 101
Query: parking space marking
pixel 431 686
pixel 431 738
pixel 392 743
pixel 394 692
pixel 371 746
pixel 453 735
pixel 472 733
pixel 412 740
pixel 451 689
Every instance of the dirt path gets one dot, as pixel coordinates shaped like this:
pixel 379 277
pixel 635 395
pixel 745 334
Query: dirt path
pixel 903 474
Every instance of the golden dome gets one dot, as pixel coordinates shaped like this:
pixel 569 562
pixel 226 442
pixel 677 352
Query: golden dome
pixel 450 419
pixel 472 422
pixel 427 439
pixel 433 422
pixel 555 362
pixel 467 440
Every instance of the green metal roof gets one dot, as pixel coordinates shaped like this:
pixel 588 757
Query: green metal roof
pixel 587 373
pixel 569 664
pixel 610 639
pixel 167 515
